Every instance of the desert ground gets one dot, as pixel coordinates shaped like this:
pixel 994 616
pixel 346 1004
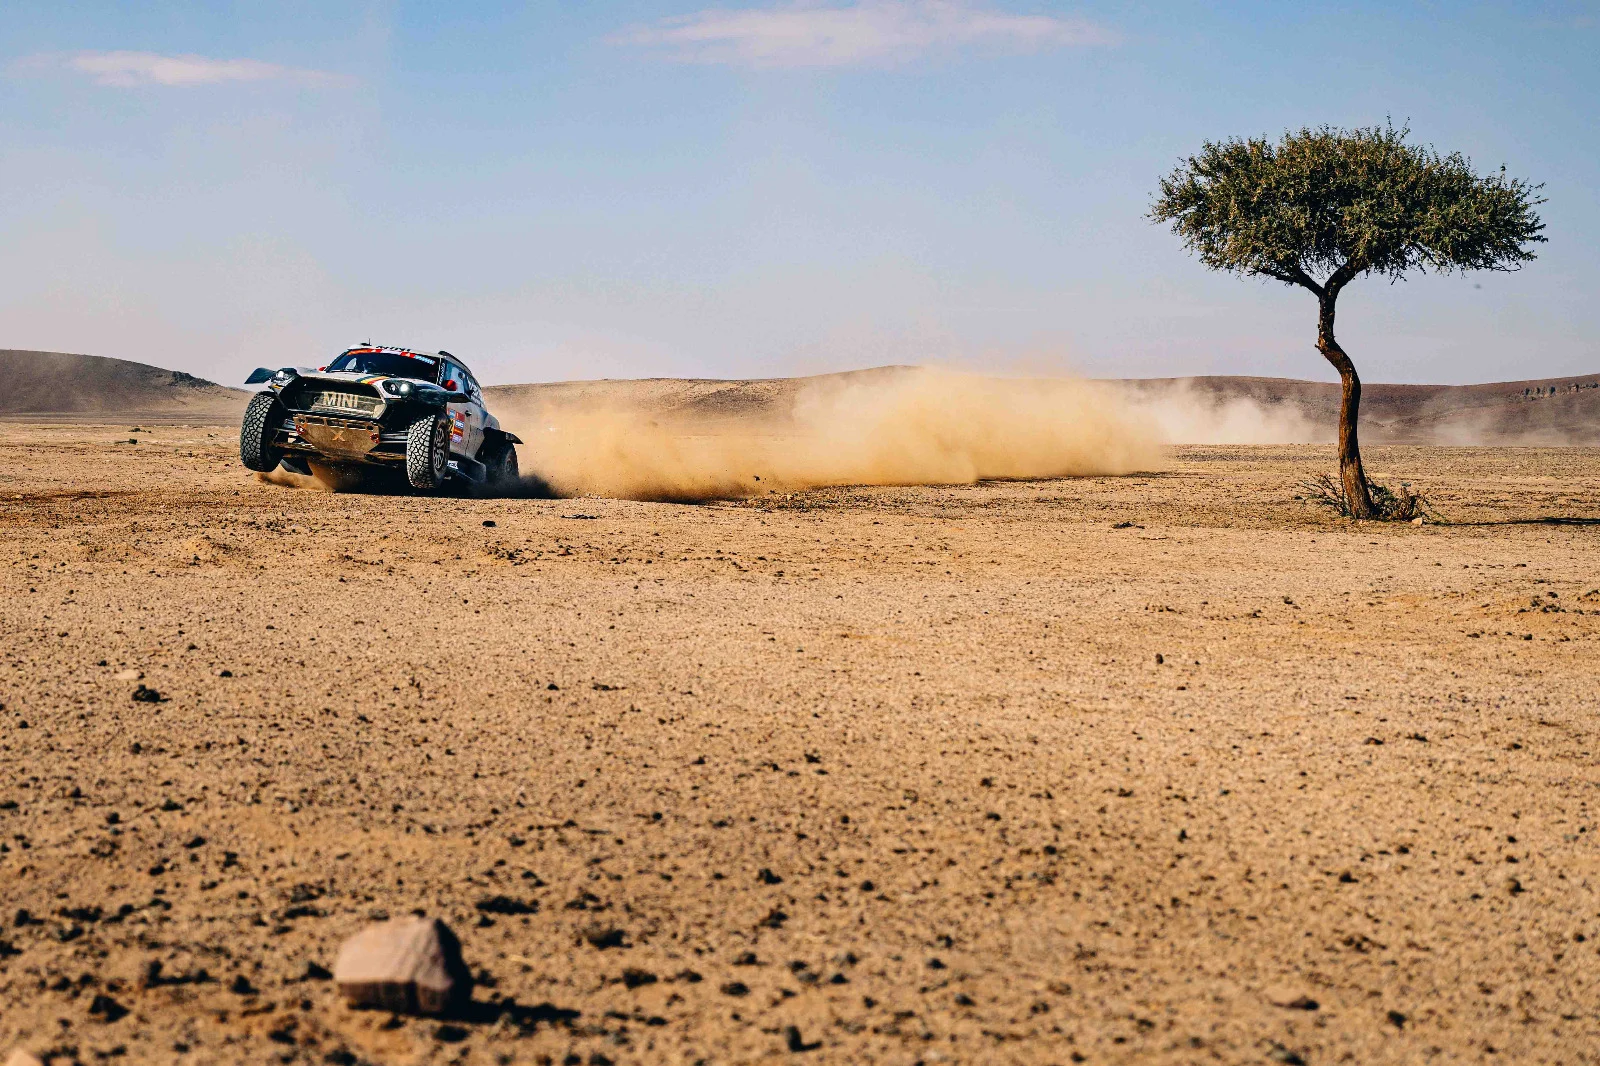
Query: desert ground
pixel 1161 768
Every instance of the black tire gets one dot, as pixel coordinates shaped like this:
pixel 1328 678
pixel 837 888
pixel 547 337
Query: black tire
pixel 500 462
pixel 261 421
pixel 428 452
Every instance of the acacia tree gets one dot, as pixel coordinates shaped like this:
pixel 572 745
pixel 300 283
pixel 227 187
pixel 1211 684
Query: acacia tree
pixel 1338 204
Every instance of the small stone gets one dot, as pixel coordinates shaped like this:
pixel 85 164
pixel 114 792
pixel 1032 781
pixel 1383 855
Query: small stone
pixel 143 694
pixel 314 972
pixel 408 965
pixel 24 1057
pixel 128 675
pixel 108 1009
pixel 1289 998
pixel 605 936
pixel 636 978
pixel 488 523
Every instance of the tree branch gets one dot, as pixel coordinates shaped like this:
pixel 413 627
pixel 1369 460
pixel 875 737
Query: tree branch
pixel 1293 275
pixel 1343 276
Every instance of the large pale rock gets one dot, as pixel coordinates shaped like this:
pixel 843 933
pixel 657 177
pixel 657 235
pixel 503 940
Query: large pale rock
pixel 407 965
pixel 23 1057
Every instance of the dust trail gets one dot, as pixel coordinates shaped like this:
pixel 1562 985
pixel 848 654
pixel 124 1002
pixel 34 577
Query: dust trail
pixel 1187 415
pixel 912 426
pixel 323 479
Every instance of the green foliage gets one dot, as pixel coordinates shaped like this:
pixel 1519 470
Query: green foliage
pixel 1345 202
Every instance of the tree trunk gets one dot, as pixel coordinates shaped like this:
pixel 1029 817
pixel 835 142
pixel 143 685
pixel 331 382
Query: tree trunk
pixel 1351 473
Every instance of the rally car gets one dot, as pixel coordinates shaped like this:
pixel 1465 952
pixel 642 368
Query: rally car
pixel 421 412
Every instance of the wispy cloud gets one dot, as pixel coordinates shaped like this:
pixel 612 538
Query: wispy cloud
pixel 881 32
pixel 126 70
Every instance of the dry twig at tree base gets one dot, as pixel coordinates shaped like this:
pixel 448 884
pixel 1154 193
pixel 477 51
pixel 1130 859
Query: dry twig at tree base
pixel 1388 505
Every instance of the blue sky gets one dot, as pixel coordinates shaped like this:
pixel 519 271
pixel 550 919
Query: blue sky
pixel 651 188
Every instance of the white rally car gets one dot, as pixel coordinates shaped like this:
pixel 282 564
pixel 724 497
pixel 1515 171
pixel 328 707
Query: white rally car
pixel 378 405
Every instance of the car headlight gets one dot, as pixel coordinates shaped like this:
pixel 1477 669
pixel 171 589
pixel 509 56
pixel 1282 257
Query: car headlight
pixel 397 388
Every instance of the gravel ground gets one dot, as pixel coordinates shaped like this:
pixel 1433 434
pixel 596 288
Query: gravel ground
pixel 1158 769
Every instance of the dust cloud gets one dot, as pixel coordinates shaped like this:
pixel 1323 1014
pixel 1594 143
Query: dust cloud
pixel 916 427
pixel 323 478
pixel 1187 415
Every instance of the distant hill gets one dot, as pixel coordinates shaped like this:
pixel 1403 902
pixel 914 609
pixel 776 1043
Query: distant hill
pixel 52 386
pixel 1535 411
pixel 55 386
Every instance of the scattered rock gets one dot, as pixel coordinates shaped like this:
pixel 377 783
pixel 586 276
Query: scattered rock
pixel 24 1057
pixel 128 675
pixel 313 972
pixel 736 988
pixel 142 694
pixel 107 1009
pixel 507 905
pixel 767 877
pixel 635 978
pixel 605 936
pixel 791 1035
pixel 410 965
pixel 488 523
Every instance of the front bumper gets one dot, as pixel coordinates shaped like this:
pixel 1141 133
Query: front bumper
pixel 344 440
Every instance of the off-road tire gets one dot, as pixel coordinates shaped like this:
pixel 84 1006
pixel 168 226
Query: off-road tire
pixel 261 421
pixel 428 452
pixel 500 463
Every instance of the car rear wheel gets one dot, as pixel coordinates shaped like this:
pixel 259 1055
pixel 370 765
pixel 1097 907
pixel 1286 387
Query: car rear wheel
pixel 500 460
pixel 261 421
pixel 428 452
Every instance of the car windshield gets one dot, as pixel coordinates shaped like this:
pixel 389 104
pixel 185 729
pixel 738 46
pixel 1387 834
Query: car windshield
pixel 392 364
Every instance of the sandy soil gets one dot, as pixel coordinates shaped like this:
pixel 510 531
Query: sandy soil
pixel 887 775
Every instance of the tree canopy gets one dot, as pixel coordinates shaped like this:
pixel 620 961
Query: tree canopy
pixel 1339 203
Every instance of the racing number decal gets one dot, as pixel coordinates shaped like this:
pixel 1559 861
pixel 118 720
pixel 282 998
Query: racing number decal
pixel 458 426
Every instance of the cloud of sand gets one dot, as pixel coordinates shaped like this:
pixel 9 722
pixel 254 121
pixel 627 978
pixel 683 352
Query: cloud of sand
pixel 1187 415
pixel 322 478
pixel 909 428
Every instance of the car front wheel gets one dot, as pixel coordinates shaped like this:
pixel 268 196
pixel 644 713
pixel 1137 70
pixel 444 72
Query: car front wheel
pixel 261 421
pixel 428 452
